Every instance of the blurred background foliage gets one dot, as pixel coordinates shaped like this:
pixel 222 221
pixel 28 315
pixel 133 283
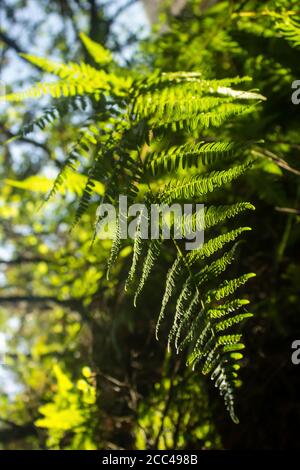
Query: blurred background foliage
pixel 81 368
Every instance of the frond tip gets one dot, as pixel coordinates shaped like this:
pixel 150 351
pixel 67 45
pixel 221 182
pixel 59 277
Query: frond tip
pixel 100 55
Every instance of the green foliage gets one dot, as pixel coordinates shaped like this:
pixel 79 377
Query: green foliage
pixel 168 421
pixel 120 145
pixel 70 411
pixel 183 126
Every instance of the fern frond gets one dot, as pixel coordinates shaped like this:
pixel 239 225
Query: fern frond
pixel 100 55
pixel 200 185
pixel 57 89
pixel 229 287
pixel 51 114
pixel 289 29
pixel 226 308
pixel 214 269
pixel 191 289
pixel 213 215
pixel 138 113
pixel 214 244
pixel 75 79
pixel 152 256
pixel 115 248
pixel 189 112
pixel 71 70
pixel 191 155
pixel 190 102
pixel 173 276
pixel 85 144
pixel 158 80
pixel 70 165
pixel 187 302
pixel 224 325
pixel 137 248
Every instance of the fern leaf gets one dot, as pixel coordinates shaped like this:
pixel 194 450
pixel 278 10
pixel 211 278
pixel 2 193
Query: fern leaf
pixel 100 55
pixel 137 247
pixel 229 287
pixel 224 325
pixel 189 155
pixel 214 245
pixel 150 261
pixel 227 308
pixel 216 214
pixel 200 185
pixel 289 29
pixel 173 275
pixel 115 248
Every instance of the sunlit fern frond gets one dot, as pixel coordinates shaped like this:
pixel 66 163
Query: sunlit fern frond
pixel 200 185
pixel 100 55
pixel 289 28
pixel 192 155
pixel 152 139
pixel 190 102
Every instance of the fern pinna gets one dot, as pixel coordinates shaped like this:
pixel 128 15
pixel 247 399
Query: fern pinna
pixel 151 137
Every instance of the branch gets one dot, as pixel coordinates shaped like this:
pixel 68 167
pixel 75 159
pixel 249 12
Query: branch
pixel 288 210
pixel 22 260
pixel 274 158
pixel 11 43
pixel 122 9
pixel 27 140
pixel 75 304
pixel 16 431
pixel 15 46
pixel 9 423
pixel 35 299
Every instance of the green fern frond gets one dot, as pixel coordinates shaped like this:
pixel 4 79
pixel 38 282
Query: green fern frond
pixel 229 287
pixel 72 162
pixel 52 114
pixel 214 244
pixel 57 89
pixel 190 102
pixel 136 115
pixel 158 80
pixel 100 55
pixel 200 185
pixel 137 248
pixel 152 256
pixel 289 29
pixel 236 319
pixel 189 112
pixel 115 248
pixel 84 200
pixel 215 268
pixel 191 289
pixel 70 165
pixel 192 155
pixel 48 117
pixel 75 79
pixel 173 276
pixel 71 70
pixel 226 308
pixel 213 215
